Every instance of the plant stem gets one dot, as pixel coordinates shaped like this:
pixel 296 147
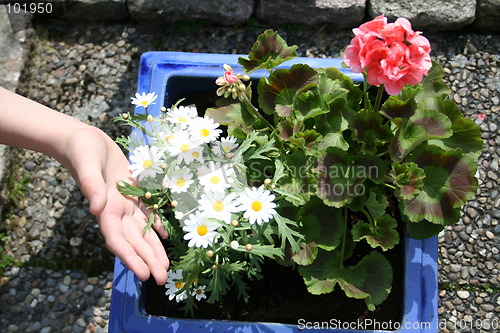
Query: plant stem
pixel 390 186
pixel 343 239
pixel 378 99
pixel 253 110
pixel 368 216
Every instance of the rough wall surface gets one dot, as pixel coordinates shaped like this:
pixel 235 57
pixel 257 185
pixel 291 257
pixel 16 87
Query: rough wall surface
pixel 342 14
pixel 427 14
pixel 224 12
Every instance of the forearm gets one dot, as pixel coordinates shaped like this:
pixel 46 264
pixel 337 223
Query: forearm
pixel 27 124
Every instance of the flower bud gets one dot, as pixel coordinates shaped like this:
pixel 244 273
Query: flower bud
pixel 209 253
pixel 164 166
pixel 267 181
pixel 150 118
pixel 163 109
pixel 235 223
pixel 148 195
pixel 245 77
pixel 249 247
pixel 174 203
pixel 226 67
pixel 273 186
pixel 125 116
pixel 155 206
pixel 179 215
pixel 215 267
pixel 234 244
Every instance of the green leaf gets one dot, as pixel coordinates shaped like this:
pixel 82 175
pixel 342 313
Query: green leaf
pixel 376 204
pixel 288 235
pixel 231 114
pixel 306 255
pixel 423 229
pixel 342 176
pixel 371 276
pixel 278 92
pixel 408 178
pixel 263 251
pixel 322 224
pixel 382 233
pixel 269 51
pixel 466 133
pixel 127 189
pixel 369 130
pixel 449 182
pixel 333 125
pixel 307 140
pixel 422 126
pixel 318 287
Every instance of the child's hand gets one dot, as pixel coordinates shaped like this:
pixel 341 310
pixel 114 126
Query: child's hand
pixel 97 163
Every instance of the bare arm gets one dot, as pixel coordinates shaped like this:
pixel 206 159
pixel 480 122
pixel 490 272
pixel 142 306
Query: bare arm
pixel 96 163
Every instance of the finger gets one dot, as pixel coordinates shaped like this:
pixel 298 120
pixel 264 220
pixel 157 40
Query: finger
pixel 158 248
pixel 148 254
pixel 93 188
pixel 158 226
pixel 126 253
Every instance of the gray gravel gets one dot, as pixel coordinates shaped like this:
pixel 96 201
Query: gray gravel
pixel 89 71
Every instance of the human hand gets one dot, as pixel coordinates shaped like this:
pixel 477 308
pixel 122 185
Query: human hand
pixel 97 163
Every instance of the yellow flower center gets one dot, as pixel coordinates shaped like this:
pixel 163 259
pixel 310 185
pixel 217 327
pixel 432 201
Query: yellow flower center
pixel 204 132
pixel 147 164
pixel 181 182
pixel 202 230
pixel 218 206
pixel 196 154
pixel 199 291
pixel 227 148
pixel 256 206
pixel 179 285
pixel 182 119
pixel 145 103
pixel 184 148
pixel 214 180
pixel 170 137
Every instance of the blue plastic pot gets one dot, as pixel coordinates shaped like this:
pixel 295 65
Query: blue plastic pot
pixel 171 74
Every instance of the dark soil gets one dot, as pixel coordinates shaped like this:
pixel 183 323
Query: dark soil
pixel 282 297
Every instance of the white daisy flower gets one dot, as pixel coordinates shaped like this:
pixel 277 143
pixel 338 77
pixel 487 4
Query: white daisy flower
pixel 181 115
pixel 181 145
pixel 199 293
pixel 204 129
pixel 199 231
pixel 179 182
pixel 146 161
pixel 219 205
pixel 195 154
pixel 257 204
pixel 215 177
pixel 224 146
pixel 144 100
pixel 174 284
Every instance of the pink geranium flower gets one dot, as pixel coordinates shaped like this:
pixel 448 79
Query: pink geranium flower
pixel 391 54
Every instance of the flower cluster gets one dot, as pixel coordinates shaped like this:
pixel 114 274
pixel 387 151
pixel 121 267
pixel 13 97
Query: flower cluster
pixel 181 157
pixel 392 53
pixel 231 84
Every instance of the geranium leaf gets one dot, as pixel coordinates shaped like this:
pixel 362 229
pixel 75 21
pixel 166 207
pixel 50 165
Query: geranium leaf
pixel 423 229
pixel 322 224
pixel 307 140
pixel 288 128
pixel 369 130
pixel 466 133
pixel 422 126
pixel 231 114
pixel 342 175
pixel 332 126
pixel 278 92
pixel 396 107
pixel 327 265
pixel 269 51
pixel 382 233
pixel 318 287
pixel 372 276
pixel 376 204
pixel 449 182
pixel 408 178
pixel 306 255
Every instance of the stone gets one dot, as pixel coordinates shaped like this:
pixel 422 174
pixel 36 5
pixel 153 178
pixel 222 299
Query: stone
pixel 427 14
pixel 341 14
pixel 91 10
pixel 224 12
pixel 487 16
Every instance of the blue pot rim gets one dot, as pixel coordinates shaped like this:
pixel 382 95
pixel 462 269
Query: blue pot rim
pixel 126 312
